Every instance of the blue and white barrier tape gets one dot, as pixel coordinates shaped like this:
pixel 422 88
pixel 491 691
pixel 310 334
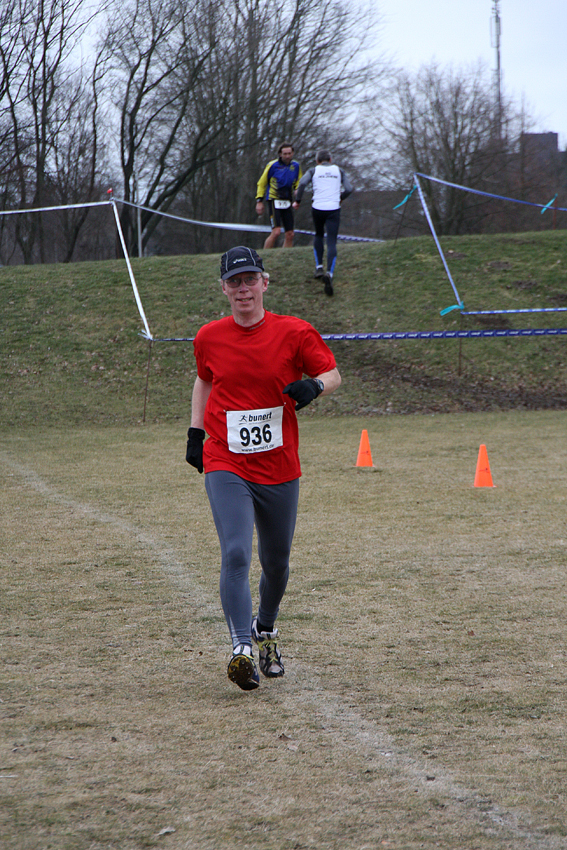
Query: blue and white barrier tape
pixel 394 335
pixel 518 310
pixel 222 225
pixel 543 207
pixel 448 334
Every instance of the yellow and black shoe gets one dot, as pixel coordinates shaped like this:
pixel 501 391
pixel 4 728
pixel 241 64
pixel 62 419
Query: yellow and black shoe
pixel 242 668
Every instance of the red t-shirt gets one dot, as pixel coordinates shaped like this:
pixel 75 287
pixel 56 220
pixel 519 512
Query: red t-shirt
pixel 248 368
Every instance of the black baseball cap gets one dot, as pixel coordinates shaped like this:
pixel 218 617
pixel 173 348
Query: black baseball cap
pixel 238 260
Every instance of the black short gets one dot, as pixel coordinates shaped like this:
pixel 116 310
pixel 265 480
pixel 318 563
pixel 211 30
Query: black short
pixel 281 218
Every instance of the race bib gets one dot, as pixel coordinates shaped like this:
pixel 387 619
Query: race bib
pixel 250 431
pixel 282 205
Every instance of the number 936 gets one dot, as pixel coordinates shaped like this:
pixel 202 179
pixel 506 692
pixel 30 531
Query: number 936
pixel 255 436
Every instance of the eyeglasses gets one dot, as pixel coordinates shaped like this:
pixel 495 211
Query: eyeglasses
pixel 250 280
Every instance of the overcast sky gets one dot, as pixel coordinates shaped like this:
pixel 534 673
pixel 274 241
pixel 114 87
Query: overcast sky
pixel 533 46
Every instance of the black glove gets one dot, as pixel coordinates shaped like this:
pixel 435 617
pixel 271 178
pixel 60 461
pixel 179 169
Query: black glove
pixel 194 454
pixel 304 391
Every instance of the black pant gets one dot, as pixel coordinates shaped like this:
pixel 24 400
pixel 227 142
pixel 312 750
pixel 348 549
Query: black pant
pixel 326 220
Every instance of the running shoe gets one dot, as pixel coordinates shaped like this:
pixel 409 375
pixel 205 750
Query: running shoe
pixel 328 281
pixel 319 271
pixel 271 664
pixel 242 669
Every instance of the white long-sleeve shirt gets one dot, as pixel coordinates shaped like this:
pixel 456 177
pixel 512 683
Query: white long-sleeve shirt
pixel 330 186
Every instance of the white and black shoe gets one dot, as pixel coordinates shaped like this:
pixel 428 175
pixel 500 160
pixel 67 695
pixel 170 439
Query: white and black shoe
pixel 270 658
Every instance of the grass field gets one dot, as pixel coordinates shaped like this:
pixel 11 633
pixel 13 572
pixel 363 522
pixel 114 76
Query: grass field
pixel 423 630
pixel 71 349
pixel 424 634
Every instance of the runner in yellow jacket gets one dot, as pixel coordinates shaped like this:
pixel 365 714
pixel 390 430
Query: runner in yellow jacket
pixel 276 187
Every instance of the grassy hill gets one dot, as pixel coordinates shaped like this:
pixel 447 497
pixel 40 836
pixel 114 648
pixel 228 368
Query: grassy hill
pixel 71 349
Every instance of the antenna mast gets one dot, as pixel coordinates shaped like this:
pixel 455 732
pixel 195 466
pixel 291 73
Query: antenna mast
pixel 495 31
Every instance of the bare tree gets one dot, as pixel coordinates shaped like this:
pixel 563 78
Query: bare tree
pixel 36 42
pixel 205 90
pixel 17 136
pixel 441 122
pixel 199 92
pixel 154 54
pixel 300 79
pixel 78 161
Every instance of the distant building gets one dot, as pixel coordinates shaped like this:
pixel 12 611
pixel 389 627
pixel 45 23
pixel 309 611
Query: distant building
pixel 541 164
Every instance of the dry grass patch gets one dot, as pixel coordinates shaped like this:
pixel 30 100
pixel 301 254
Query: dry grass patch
pixel 424 632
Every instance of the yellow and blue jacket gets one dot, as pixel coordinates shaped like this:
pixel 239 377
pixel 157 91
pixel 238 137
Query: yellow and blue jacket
pixel 278 180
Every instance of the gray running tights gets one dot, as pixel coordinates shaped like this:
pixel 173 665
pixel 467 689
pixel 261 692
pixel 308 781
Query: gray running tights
pixel 237 506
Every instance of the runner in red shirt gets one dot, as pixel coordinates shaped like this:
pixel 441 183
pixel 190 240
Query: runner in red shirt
pixel 249 385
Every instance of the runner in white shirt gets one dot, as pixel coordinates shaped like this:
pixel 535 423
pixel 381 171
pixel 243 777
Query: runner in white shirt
pixel 330 186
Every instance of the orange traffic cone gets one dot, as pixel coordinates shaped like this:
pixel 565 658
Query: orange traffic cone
pixel 364 455
pixel 483 478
